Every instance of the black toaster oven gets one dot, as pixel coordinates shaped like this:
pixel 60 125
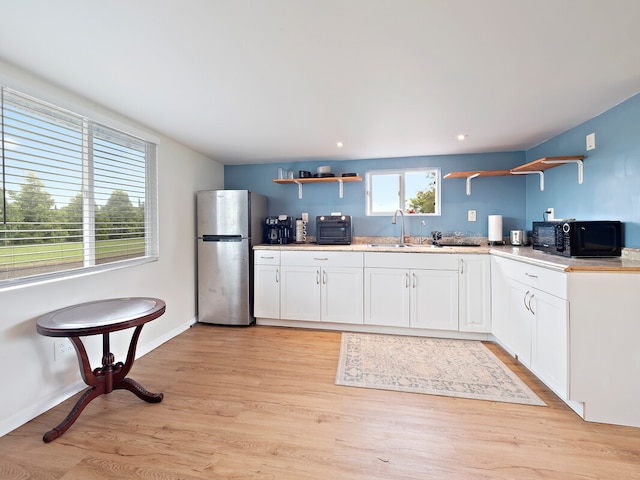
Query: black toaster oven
pixel 333 230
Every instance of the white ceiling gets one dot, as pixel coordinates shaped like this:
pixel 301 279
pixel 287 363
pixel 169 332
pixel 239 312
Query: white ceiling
pixel 252 81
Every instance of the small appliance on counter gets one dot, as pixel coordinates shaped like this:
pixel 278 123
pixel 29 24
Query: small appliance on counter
pixel 334 230
pixel 571 238
pixel 518 237
pixel 279 229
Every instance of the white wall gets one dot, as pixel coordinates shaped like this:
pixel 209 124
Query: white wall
pixel 32 381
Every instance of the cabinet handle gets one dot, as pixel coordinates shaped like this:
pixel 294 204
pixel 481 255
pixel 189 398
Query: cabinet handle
pixel 531 307
pixel 321 259
pixel 530 275
pixel 524 300
pixel 266 258
pixel 414 280
pixel 317 277
pixel 461 266
pixel 277 275
pixel 324 277
pixel 406 280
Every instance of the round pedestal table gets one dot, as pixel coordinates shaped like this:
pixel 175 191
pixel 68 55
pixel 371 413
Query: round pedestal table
pixel 101 317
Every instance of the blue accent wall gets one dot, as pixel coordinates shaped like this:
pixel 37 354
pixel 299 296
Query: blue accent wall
pixel 491 195
pixel 611 188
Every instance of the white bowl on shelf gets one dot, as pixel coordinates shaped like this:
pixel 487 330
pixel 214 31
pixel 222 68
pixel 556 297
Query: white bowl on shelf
pixel 323 169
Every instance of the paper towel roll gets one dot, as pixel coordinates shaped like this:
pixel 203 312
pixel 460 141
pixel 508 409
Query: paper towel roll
pixel 495 228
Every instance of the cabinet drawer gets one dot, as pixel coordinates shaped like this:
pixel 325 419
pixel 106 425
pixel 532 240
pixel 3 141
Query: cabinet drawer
pixel 322 258
pixel 266 257
pixel 427 261
pixel 544 279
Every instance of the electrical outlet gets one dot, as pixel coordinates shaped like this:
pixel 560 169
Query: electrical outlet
pixel 61 348
pixel 471 215
pixel 591 141
pixel 305 217
pixel 550 214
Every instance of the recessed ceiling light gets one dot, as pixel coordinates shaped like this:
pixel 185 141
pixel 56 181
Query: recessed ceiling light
pixel 462 136
pixel 339 144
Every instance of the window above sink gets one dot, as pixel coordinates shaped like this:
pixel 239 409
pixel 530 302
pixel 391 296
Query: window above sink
pixel 414 191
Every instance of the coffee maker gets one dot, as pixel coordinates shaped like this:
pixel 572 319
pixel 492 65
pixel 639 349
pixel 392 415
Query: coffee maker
pixel 278 229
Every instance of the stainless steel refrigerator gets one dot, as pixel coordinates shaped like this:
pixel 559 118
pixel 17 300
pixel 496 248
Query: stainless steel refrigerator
pixel 229 223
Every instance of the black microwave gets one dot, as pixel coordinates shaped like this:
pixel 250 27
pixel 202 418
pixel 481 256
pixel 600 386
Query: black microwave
pixel 333 230
pixel 571 238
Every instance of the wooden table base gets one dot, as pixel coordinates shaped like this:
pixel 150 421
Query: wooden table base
pixel 103 380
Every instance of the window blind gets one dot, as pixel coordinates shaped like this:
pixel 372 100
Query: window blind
pixel 75 193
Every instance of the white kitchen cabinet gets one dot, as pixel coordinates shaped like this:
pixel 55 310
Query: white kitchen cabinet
pixel 500 321
pixel 411 290
pixel 266 281
pixel 474 307
pixel 549 348
pixel 521 317
pixel 341 293
pixel 300 292
pixel 434 299
pixel 386 296
pixel 531 319
pixel 321 286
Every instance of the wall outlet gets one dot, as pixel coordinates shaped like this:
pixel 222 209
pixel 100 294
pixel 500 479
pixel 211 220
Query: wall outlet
pixel 305 217
pixel 591 141
pixel 471 215
pixel 550 214
pixel 61 348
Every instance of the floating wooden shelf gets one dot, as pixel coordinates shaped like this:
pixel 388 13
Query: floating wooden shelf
pixel 302 181
pixel 537 166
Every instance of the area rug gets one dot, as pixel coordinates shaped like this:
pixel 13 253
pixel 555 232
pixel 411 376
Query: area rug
pixel 454 368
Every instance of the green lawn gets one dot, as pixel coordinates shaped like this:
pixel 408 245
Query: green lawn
pixel 68 251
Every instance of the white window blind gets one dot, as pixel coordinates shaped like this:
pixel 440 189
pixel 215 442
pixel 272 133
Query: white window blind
pixel 74 193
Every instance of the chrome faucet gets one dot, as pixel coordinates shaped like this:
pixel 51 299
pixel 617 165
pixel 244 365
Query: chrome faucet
pixel 422 239
pixel 402 227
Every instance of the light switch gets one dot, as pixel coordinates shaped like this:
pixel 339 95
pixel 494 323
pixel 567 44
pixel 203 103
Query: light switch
pixel 591 141
pixel 471 215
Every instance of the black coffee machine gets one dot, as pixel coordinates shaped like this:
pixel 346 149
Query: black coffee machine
pixel 279 229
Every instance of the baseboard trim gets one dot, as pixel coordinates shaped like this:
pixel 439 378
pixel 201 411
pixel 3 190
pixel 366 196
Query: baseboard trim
pixel 38 408
pixel 361 328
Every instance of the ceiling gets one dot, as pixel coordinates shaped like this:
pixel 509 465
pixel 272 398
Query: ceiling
pixel 255 81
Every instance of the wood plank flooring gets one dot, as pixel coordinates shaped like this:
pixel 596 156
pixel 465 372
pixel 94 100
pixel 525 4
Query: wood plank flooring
pixel 260 403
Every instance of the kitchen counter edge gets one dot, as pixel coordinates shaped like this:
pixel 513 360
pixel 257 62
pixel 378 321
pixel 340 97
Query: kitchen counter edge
pixel 523 254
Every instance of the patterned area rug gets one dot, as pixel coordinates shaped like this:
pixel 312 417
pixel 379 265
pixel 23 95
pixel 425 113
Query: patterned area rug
pixel 454 368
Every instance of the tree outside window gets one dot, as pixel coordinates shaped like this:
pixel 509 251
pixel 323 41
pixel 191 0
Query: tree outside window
pixel 415 191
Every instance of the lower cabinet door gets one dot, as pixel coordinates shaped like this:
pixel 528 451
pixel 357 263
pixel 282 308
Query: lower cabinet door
pixel 474 305
pixel 341 295
pixel 386 296
pixel 299 293
pixel 434 299
pixel 266 297
pixel 521 321
pixel 550 350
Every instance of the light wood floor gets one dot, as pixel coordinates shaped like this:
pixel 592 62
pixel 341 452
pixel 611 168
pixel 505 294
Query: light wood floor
pixel 260 403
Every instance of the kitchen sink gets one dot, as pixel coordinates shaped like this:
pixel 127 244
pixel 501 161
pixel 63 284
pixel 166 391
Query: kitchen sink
pixel 458 245
pixel 389 245
pixel 406 245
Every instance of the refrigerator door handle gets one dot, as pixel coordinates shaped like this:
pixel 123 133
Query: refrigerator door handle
pixel 221 238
